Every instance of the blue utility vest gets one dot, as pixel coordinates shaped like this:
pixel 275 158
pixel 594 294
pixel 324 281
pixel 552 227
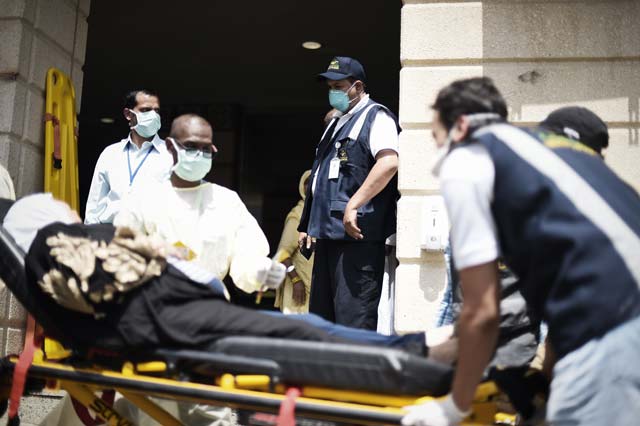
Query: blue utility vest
pixel 324 208
pixel 569 228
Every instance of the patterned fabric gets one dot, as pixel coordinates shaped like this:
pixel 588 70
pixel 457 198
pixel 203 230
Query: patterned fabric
pixel 131 259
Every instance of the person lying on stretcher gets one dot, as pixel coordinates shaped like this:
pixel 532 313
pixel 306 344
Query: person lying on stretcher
pixel 101 280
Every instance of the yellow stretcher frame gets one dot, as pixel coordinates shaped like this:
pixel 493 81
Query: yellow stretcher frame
pixel 61 165
pixel 248 392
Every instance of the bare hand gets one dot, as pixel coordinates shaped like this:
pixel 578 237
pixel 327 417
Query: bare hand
pixel 299 294
pixel 350 221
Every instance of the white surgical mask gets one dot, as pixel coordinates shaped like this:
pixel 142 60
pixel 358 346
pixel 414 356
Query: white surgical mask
pixel 148 123
pixel 192 165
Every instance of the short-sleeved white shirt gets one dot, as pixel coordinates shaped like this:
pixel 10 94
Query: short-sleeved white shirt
pixel 466 180
pixel 383 134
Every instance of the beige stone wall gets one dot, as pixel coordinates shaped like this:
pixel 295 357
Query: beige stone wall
pixel 34 36
pixel 542 55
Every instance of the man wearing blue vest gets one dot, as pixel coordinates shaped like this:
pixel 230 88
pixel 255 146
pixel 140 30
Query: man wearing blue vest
pixel 350 208
pixel 568 227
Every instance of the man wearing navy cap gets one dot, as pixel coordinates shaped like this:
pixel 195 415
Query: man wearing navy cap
pixel 568 227
pixel 579 124
pixel 350 208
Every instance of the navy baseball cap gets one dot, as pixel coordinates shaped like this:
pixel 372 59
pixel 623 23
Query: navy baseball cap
pixel 580 124
pixel 342 67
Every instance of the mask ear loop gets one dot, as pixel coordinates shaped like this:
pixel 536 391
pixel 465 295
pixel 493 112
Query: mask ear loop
pixel 442 152
pixel 135 115
pixel 174 143
pixel 350 87
pixel 175 146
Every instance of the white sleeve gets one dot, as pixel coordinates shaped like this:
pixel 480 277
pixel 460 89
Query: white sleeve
pixel 6 185
pixel 384 134
pixel 250 249
pixel 96 201
pixel 466 182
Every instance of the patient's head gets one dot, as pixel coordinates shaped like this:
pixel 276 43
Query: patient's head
pixel 33 212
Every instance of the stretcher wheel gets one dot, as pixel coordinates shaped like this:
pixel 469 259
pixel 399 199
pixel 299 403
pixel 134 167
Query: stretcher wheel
pixel 4 404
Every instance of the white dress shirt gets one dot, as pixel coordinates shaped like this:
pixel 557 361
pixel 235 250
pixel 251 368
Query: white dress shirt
pixel 122 168
pixel 383 134
pixel 210 221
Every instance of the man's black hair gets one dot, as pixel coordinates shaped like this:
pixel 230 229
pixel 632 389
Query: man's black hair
pixel 130 97
pixel 469 96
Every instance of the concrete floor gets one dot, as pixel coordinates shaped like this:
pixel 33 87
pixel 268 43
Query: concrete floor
pixel 34 408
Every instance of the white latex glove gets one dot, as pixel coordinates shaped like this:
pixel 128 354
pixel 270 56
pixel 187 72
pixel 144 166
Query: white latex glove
pixel 434 413
pixel 271 273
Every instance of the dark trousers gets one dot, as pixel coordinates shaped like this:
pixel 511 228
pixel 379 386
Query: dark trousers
pixel 347 282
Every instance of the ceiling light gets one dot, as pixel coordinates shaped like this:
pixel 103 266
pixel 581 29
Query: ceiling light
pixel 311 45
pixel 107 120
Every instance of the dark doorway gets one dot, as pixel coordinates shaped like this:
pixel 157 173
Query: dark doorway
pixel 242 66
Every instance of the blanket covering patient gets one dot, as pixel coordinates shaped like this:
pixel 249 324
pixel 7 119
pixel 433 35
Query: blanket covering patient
pixel 115 288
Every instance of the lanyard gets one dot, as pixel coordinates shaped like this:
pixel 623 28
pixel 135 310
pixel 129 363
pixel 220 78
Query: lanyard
pixel 132 176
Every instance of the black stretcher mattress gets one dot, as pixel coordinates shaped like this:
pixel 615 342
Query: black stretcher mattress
pixel 293 362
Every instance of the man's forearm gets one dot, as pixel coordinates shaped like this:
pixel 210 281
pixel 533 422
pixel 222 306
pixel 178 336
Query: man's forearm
pixel 477 330
pixel 476 344
pixel 382 172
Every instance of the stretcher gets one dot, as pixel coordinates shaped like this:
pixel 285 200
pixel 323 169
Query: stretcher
pixel 334 383
pixel 61 139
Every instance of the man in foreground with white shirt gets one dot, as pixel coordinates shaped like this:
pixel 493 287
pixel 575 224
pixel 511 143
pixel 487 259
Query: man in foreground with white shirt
pixel 567 226
pixel 135 162
pixel 350 207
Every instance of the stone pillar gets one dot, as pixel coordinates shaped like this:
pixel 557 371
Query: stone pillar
pixel 542 55
pixel 34 36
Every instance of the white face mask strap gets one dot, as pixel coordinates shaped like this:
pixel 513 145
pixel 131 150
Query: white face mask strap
pixel 481 118
pixel 136 115
pixel 179 148
pixel 347 92
pixel 475 120
pixel 447 142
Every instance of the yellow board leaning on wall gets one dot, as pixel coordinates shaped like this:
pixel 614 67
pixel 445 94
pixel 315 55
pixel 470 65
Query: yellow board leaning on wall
pixel 60 155
pixel 61 140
